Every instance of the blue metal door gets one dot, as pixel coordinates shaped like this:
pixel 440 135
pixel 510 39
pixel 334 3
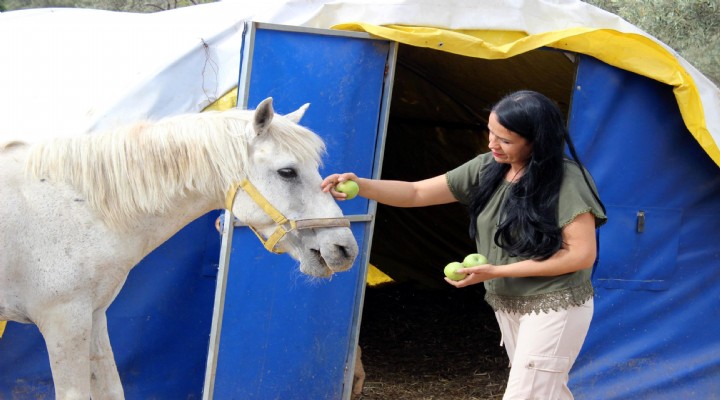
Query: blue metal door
pixel 278 334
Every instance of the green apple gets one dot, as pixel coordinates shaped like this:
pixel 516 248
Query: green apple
pixel 474 259
pixel 450 271
pixel 350 188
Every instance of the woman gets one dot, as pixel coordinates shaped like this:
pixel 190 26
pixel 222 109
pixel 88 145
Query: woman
pixel 533 214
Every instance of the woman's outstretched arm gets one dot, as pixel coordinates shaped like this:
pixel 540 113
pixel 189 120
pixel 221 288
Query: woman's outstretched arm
pixel 426 192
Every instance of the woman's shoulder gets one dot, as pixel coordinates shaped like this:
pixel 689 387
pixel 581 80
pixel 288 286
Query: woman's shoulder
pixel 578 195
pixel 477 163
pixel 571 165
pixel 461 179
pixel 573 171
pixel 482 160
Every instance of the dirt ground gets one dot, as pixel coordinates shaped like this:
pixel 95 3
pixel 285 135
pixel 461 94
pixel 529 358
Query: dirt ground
pixel 420 344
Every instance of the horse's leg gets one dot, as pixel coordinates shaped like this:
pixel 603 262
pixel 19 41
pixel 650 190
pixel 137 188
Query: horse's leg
pixel 104 380
pixel 66 329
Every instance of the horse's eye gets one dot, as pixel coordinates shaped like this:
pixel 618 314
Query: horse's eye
pixel 287 173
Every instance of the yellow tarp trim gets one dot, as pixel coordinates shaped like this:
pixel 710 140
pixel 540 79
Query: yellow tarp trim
pixel 225 102
pixel 376 277
pixel 2 327
pixel 631 52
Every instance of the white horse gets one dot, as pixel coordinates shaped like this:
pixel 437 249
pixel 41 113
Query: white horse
pixel 78 213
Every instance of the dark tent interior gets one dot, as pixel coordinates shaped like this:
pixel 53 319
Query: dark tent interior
pixel 438 119
pixel 420 326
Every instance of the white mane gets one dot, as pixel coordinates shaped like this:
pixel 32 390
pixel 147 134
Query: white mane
pixel 140 169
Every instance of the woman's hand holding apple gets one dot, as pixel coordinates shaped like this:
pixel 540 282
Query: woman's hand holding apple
pixel 474 275
pixel 475 269
pixel 330 185
pixel 350 188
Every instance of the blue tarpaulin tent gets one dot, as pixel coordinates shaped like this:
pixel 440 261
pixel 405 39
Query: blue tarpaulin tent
pixel 202 315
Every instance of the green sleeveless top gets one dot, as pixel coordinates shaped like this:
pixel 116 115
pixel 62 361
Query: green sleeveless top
pixel 528 294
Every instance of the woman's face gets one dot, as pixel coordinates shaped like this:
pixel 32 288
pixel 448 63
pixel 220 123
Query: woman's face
pixel 507 146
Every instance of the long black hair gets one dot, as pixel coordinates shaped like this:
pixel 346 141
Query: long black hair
pixel 528 225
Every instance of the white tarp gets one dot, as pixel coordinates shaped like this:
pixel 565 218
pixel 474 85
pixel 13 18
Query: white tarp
pixel 69 71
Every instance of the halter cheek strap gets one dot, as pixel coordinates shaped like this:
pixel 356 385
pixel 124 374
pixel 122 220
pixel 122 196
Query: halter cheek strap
pixel 283 224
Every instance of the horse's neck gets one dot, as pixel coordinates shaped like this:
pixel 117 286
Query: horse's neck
pixel 126 188
pixel 158 228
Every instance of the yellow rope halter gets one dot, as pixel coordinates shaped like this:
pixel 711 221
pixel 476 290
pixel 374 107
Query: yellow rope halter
pixel 284 225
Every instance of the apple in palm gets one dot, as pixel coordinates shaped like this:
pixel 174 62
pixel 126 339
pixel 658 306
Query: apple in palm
pixel 474 259
pixel 349 187
pixel 451 271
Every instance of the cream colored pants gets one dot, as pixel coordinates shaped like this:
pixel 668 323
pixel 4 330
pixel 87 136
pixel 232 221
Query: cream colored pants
pixel 542 349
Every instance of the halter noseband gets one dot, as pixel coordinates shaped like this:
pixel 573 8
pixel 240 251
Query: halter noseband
pixel 280 220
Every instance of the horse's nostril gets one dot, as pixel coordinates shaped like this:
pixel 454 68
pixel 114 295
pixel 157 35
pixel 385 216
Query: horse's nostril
pixel 344 251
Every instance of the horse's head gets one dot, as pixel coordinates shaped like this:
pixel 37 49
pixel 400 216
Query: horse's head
pixel 281 198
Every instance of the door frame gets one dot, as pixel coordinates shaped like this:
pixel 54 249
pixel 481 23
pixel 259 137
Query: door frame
pixel 229 223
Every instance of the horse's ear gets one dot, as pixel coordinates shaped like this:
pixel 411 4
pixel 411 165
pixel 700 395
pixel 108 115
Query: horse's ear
pixel 263 116
pixel 297 115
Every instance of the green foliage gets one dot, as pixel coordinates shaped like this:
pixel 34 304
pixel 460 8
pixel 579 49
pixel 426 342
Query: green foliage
pixel 112 5
pixel 690 27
